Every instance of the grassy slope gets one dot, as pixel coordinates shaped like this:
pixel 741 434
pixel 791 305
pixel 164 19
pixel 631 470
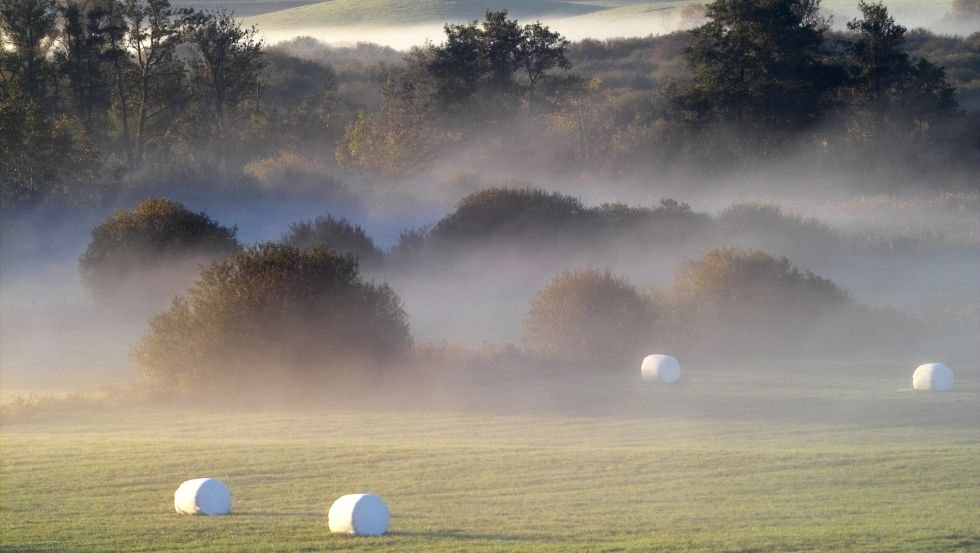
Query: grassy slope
pixel 834 474
pixel 342 13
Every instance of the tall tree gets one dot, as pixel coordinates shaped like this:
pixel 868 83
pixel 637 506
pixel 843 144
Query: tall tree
pixel 758 64
pixel 501 41
pixel 83 60
pixel 483 57
pixel 541 50
pixel 153 35
pixel 27 30
pixel 884 77
pixel 228 61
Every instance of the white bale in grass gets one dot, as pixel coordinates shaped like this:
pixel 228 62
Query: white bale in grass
pixel 933 376
pixel 205 496
pixel 660 368
pixel 358 514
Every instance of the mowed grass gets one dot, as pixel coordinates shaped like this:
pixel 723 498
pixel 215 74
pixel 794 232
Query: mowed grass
pixel 729 479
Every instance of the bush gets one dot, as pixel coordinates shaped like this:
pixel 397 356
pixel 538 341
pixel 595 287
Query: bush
pixel 273 314
pixel 160 239
pixel 766 226
pixel 336 233
pixel 509 212
pixel 733 297
pixel 589 317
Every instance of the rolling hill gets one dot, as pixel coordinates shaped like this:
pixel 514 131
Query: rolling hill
pixel 352 13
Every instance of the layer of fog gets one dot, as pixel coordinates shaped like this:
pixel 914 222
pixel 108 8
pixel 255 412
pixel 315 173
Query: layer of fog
pixel 54 336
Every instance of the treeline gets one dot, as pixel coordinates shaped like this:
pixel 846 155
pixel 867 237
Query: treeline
pixel 105 96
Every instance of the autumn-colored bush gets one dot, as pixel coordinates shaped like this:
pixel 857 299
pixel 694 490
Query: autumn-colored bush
pixel 274 314
pixel 747 299
pixel 159 239
pixel 590 318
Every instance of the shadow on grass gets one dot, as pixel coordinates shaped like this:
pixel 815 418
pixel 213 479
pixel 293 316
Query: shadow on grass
pixel 953 542
pixel 27 548
pixel 309 514
pixel 471 536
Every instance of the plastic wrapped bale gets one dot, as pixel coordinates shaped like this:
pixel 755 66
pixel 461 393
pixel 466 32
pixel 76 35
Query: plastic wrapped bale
pixel 933 376
pixel 660 368
pixel 359 514
pixel 204 496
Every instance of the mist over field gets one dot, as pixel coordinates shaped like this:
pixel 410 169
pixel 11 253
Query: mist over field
pixel 542 276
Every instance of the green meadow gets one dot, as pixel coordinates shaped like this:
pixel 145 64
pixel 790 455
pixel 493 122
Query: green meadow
pixel 743 462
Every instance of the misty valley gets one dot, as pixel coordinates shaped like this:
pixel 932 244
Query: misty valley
pixel 549 276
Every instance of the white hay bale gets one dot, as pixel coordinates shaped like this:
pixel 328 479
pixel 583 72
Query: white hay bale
pixel 933 376
pixel 206 496
pixel 660 368
pixel 358 514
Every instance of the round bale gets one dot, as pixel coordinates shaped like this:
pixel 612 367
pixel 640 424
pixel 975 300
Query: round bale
pixel 358 514
pixel 933 376
pixel 205 496
pixel 660 368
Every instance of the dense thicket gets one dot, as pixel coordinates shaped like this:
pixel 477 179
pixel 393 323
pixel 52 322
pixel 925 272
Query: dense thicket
pixel 112 97
pixel 748 300
pixel 274 314
pixel 530 219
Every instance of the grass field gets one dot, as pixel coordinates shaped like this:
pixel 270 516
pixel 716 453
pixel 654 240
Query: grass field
pixel 720 463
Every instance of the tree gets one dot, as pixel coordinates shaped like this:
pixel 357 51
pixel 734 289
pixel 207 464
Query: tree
pixel 582 113
pixel 758 66
pixel 229 60
pixel 540 50
pixel 42 156
pixel 85 36
pixel 456 66
pixel 589 318
pixel 481 58
pixel 270 314
pixel 153 238
pixel 402 140
pixel 152 36
pixel 890 90
pixel 27 29
pixel 501 48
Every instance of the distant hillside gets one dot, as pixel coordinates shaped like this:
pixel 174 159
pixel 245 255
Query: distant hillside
pixel 350 13
pixel 575 19
pixel 241 8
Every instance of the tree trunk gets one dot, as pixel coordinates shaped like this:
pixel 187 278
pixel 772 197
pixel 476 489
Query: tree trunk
pixel 124 113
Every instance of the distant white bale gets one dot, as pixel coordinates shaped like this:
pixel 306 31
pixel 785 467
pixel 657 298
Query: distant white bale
pixel 661 368
pixel 358 514
pixel 933 376
pixel 206 496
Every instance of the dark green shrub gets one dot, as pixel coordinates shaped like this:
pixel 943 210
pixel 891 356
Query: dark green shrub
pixel 590 318
pixel 509 212
pixel 158 239
pixel 273 314
pixel 336 233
